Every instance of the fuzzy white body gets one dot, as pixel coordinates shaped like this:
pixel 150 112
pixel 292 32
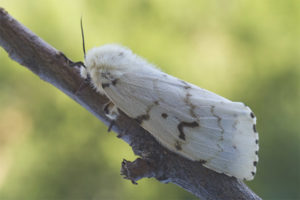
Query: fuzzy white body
pixel 193 122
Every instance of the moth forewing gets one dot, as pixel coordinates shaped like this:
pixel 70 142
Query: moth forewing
pixel 188 120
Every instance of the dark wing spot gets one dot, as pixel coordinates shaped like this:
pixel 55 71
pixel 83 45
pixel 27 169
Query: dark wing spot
pixel 121 54
pixel 253 173
pixel 146 116
pixel 186 85
pixel 181 125
pixel 256 152
pixel 221 138
pixel 255 163
pixel 178 146
pixel 202 161
pixel 114 82
pixel 182 135
pixel 252 115
pixel 141 118
pixel 212 110
pixel 164 115
pixel 104 85
pixel 254 128
pixel 256 141
pixel 233 146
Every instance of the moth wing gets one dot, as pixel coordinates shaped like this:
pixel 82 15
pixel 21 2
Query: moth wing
pixel 191 121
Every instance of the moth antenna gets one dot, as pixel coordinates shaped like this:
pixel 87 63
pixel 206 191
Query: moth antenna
pixel 82 35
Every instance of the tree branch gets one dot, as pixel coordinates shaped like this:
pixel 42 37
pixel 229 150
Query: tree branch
pixel 156 161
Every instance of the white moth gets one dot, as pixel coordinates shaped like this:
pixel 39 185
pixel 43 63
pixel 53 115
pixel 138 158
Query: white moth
pixel 188 120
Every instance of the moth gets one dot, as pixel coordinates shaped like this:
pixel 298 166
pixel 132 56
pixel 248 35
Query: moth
pixel 186 119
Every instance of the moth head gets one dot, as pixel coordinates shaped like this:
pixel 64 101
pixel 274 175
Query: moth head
pixel 106 63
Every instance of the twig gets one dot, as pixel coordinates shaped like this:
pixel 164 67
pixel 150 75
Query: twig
pixel 156 161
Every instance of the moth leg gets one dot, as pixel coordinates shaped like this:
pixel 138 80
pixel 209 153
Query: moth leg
pixel 111 111
pixel 111 125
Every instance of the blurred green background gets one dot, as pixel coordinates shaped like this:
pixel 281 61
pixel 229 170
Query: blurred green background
pixel 51 148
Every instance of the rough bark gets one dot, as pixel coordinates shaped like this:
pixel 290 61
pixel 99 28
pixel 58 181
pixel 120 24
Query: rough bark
pixel 155 161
